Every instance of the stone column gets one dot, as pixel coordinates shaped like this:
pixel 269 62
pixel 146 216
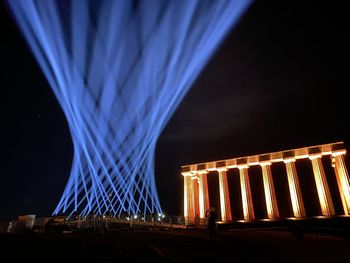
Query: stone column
pixel 324 196
pixel 247 201
pixel 186 198
pixel 189 204
pixel 294 189
pixel 196 198
pixel 225 205
pixel 342 180
pixel 203 195
pixel 270 195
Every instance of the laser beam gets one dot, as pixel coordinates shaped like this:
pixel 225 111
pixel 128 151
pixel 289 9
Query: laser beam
pixel 119 70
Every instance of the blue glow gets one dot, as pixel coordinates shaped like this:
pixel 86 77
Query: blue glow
pixel 119 69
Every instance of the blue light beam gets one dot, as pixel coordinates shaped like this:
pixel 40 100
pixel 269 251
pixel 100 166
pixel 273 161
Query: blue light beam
pixel 119 69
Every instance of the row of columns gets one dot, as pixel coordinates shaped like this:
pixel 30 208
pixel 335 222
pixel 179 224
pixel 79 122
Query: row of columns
pixel 196 195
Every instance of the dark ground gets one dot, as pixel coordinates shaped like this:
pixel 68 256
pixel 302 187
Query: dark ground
pixel 234 245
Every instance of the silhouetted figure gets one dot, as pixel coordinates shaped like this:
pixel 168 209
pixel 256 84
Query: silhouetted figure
pixel 296 231
pixel 197 220
pixel 212 224
pixel 48 225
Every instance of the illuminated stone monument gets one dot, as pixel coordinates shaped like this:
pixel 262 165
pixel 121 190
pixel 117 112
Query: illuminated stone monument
pixel 196 191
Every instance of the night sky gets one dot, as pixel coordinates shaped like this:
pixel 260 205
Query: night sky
pixel 278 81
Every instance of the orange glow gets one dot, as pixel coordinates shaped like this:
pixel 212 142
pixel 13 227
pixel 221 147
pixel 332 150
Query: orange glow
pixel 289 160
pixel 300 153
pixel 203 195
pixel 276 160
pixel 196 198
pixel 201 200
pixel 211 166
pixel 247 201
pixel 190 199
pixel 324 195
pixel 276 157
pixel 294 189
pixel 326 149
pixel 338 153
pixel 253 160
pixel 315 156
pixel 304 156
pixel 185 197
pixel 225 205
pixel 343 182
pixel 196 195
pixel 231 163
pixel 265 163
pixel 270 196
pixel 243 166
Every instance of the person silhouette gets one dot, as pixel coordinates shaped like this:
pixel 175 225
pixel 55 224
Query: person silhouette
pixel 212 224
pixel 296 231
pixel 197 220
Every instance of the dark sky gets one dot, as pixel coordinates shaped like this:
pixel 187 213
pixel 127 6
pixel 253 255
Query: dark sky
pixel 278 81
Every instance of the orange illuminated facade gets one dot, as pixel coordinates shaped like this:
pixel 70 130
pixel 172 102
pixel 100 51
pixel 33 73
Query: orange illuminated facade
pixel 196 192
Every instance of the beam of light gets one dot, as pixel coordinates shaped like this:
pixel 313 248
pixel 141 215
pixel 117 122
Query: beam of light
pixel 119 69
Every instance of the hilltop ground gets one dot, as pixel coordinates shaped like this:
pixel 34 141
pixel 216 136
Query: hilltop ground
pixel 182 245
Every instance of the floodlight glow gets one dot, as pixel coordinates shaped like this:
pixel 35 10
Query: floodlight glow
pixel 119 69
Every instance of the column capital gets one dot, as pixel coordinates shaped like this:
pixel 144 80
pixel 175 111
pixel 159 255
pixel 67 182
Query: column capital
pixel 339 152
pixel 265 163
pixel 194 177
pixel 315 156
pixel 243 166
pixel 289 160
